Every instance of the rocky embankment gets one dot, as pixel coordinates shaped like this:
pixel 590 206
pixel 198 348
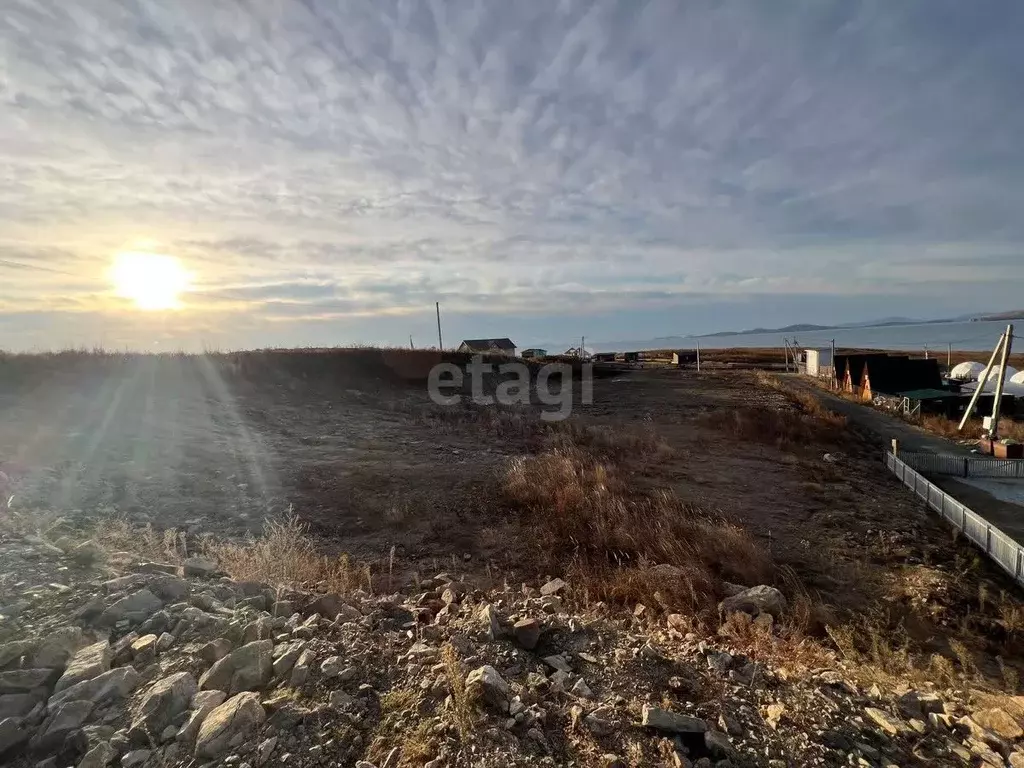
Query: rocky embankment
pixel 110 661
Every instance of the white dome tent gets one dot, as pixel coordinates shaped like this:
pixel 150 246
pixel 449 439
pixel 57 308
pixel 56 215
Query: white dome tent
pixel 993 375
pixel 969 371
pixel 1017 378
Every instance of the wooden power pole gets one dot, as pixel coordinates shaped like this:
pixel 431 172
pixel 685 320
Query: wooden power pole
pixel 440 344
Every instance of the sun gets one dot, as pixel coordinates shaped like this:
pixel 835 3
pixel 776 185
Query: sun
pixel 152 280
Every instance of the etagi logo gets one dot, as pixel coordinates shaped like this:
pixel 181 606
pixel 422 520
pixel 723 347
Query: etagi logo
pixel 551 381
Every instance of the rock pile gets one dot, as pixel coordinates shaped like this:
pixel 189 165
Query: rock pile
pixel 160 665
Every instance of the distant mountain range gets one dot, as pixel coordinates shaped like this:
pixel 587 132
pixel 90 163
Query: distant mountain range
pixel 671 342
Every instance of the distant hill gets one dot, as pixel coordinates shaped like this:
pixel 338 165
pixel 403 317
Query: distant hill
pixel 798 328
pixel 1015 315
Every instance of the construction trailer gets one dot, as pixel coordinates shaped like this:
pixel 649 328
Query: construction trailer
pixel 818 362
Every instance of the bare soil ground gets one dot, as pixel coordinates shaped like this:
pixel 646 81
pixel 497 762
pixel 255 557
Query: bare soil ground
pixel 351 443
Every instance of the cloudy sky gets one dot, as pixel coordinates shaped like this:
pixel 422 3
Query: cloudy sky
pixel 325 171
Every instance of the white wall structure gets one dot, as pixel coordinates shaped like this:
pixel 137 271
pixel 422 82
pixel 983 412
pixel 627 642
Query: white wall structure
pixel 969 371
pixel 819 361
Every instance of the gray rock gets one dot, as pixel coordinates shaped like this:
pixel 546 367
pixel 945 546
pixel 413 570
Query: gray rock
pixel 170 589
pixel 755 601
pixel 10 652
pixel 883 720
pixel 265 750
pixel 282 609
pixel 601 722
pixel 244 669
pixel 11 734
pixel 215 650
pixel 110 686
pixel 164 642
pixel 202 567
pixel 20 704
pixel 144 649
pixel 486 685
pixel 203 703
pixel 287 655
pixel 347 614
pixel 671 722
pixel 87 663
pixel 26 680
pixel 326 605
pixel 121 582
pixel 527 632
pixel 229 725
pixel 58 647
pixel 261 629
pixel 718 745
pixel 99 756
pixel 135 608
pixel 167 699
pixel 553 587
pixel 300 672
pixel 331 666
pixel 558 662
pixel 135 757
pixel 67 718
pixel 491 620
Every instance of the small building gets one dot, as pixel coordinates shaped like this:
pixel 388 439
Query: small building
pixel 818 362
pixel 531 352
pixel 488 347
pixel 889 376
pixel 604 357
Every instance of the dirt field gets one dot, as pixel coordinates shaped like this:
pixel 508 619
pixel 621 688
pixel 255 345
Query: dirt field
pixel 351 443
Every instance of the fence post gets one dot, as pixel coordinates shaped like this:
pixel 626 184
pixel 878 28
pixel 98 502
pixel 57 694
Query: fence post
pixel 988 539
pixel 967 467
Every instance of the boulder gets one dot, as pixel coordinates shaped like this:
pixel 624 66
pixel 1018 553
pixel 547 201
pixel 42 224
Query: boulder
pixel 527 632
pixel 671 722
pixel 135 608
pixel 170 588
pixel 58 648
pixel 215 650
pixel 99 756
pixel 261 629
pixel 491 620
pixel 144 649
pixel 87 663
pixel 110 686
pixel 287 655
pixel 229 725
pixel 64 720
pixel 11 734
pixel 11 652
pixel 326 605
pixel 487 686
pixel 202 567
pixel 27 680
pixel 203 703
pixel 167 699
pixel 553 587
pixel 331 667
pixel 755 601
pixel 1000 722
pixel 300 672
pixel 20 704
pixel 135 757
pixel 244 669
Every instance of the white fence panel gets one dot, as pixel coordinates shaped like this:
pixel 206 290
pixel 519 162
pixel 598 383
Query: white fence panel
pixel 1001 549
pixel 963 466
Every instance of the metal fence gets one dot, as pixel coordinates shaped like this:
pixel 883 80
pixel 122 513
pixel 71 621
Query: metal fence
pixel 1006 552
pixel 963 466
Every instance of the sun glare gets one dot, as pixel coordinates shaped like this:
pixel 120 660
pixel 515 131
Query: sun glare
pixel 151 280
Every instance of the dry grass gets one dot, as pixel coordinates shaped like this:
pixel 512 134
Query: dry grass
pixel 940 425
pixel 588 520
pixel 286 555
pixel 462 706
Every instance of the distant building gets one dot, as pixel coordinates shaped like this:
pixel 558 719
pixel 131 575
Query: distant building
pixel 581 352
pixel 488 347
pixel 850 370
pixel 533 352
pixel 818 361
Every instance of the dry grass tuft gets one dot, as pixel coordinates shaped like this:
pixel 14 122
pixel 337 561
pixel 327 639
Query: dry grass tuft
pixel 940 425
pixel 586 517
pixel 461 704
pixel 286 555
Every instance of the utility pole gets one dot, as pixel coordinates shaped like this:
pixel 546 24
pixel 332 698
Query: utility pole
pixel 785 350
pixel 583 341
pixel 698 355
pixel 981 383
pixel 949 356
pixel 833 363
pixel 993 431
pixel 440 344
pixel 410 342
pixel 926 352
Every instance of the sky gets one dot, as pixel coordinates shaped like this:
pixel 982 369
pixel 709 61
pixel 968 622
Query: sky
pixel 326 171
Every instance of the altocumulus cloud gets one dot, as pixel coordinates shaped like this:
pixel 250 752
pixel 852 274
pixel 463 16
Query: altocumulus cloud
pixel 316 162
